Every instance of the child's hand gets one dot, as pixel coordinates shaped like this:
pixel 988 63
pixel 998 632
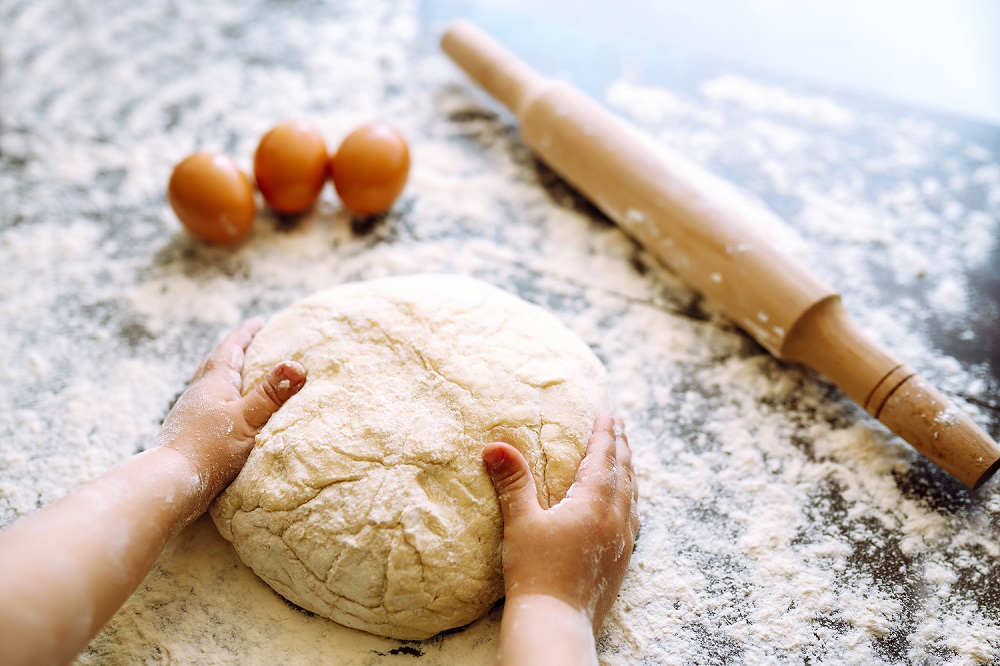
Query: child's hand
pixel 65 569
pixel 213 424
pixel 577 551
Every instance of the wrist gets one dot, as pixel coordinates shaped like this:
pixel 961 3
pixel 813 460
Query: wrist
pixel 549 591
pixel 212 460
pixel 199 482
pixel 552 604
pixel 542 628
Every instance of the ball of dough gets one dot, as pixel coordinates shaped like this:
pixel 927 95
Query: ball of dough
pixel 365 499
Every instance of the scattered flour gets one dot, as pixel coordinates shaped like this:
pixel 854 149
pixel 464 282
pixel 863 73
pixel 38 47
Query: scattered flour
pixel 780 524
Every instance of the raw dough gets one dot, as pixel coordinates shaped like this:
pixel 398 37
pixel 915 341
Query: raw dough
pixel 365 499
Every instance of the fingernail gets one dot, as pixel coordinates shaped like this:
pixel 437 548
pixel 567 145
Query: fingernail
pixel 291 373
pixel 493 457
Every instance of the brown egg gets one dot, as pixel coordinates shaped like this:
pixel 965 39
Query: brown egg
pixel 290 166
pixel 212 197
pixel 370 168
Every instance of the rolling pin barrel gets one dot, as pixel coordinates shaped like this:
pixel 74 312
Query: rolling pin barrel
pixel 711 235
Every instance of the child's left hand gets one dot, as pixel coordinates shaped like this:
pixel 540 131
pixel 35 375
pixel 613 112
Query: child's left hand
pixel 66 569
pixel 213 424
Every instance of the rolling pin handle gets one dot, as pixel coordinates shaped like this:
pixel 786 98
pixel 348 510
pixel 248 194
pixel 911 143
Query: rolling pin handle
pixel 827 340
pixel 502 74
pixel 885 388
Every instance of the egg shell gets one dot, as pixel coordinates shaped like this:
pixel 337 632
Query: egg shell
pixel 290 166
pixel 212 197
pixel 370 168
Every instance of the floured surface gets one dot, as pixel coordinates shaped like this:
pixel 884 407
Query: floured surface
pixel 365 499
pixel 779 522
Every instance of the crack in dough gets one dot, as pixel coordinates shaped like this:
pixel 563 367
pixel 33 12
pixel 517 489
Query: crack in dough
pixel 364 499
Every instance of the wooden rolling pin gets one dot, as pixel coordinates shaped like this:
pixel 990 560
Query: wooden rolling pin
pixel 706 233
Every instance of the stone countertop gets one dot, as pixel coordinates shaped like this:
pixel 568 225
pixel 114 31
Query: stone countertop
pixel 780 523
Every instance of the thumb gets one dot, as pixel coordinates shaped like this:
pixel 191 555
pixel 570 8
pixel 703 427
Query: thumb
pixel 512 479
pixel 284 381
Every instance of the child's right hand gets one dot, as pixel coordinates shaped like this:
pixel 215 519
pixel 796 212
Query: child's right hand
pixel 578 550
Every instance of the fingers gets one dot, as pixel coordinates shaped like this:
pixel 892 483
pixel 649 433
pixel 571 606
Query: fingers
pixel 512 479
pixel 227 358
pixel 597 471
pixel 623 457
pixel 606 474
pixel 628 495
pixel 284 381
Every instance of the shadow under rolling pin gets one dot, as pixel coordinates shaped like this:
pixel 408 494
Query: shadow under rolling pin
pixel 705 232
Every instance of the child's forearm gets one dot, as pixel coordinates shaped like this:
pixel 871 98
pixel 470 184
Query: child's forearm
pixel 540 629
pixel 66 569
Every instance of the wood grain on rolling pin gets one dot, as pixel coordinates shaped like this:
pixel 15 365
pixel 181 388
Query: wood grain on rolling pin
pixel 707 233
